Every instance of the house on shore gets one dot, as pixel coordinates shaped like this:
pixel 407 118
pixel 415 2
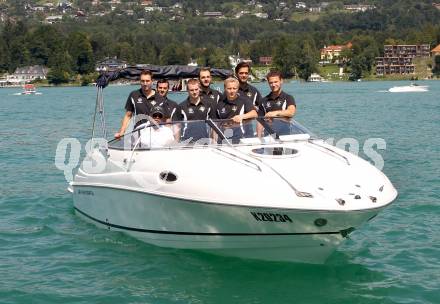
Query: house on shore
pixel 53 19
pixel 398 59
pixel 332 53
pixel 358 7
pixel 435 51
pixel 110 64
pixel 27 74
pixel 265 60
pixel 213 14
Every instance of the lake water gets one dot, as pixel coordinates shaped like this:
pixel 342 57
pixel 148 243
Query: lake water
pixel 49 255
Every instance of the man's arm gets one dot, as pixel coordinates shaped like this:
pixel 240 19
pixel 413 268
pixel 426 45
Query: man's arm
pixel 289 112
pixel 248 115
pixel 124 124
pixel 249 110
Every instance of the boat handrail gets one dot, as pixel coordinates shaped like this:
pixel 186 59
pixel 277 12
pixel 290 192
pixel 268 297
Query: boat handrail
pixel 313 142
pixel 218 135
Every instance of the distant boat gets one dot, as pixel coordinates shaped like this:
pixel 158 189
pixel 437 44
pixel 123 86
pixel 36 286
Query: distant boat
pixel 413 87
pixel 316 78
pixel 29 89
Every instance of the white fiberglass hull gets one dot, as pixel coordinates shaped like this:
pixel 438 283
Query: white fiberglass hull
pixel 406 89
pixel 249 232
pixel 286 201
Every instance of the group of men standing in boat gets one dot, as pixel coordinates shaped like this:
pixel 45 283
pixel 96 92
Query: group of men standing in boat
pixel 238 102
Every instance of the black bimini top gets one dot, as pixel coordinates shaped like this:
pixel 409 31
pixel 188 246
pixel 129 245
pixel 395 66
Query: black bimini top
pixel 159 72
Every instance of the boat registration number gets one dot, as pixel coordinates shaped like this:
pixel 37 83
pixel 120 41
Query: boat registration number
pixel 271 217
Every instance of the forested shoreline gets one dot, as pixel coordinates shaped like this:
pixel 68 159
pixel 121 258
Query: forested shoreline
pixel 72 48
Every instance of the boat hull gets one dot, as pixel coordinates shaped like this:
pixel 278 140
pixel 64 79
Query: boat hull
pixel 243 231
pixel 408 89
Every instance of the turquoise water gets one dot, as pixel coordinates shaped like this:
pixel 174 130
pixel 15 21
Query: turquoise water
pixel 49 255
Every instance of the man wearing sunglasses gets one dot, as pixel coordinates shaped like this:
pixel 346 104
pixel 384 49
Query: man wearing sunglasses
pixel 157 133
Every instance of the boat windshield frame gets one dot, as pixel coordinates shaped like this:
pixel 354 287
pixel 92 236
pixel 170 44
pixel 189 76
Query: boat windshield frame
pixel 220 133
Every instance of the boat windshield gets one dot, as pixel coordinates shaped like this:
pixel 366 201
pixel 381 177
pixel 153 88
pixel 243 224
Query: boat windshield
pixel 202 133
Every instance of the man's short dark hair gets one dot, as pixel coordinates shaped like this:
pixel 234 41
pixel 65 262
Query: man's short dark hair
pixel 163 81
pixel 274 73
pixel 204 69
pixel 242 65
pixel 147 72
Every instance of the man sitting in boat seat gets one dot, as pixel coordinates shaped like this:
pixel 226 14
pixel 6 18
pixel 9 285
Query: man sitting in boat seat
pixel 236 108
pixel 155 134
pixel 277 104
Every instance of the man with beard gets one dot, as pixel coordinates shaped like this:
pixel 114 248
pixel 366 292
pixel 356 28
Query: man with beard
pixel 205 79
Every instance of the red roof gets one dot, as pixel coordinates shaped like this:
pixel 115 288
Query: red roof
pixel 436 49
pixel 332 48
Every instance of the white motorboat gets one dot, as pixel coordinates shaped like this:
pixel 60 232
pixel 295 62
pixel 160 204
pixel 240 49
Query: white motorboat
pixel 29 89
pixel 314 77
pixel 413 87
pixel 284 195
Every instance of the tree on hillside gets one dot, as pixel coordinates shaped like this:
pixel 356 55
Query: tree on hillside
pixel 81 51
pixel 436 69
pixel 284 57
pixel 19 54
pixel 61 70
pixel 174 54
pixel 42 42
pixel 4 57
pixel 307 60
pixel 365 50
pixel 215 57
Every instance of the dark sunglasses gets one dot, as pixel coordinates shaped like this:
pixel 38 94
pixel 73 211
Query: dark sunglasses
pixel 157 115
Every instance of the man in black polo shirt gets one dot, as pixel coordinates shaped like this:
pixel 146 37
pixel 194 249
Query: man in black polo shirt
pixel 195 107
pixel 139 103
pixel 205 79
pixel 246 90
pixel 170 106
pixel 277 104
pixel 237 108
